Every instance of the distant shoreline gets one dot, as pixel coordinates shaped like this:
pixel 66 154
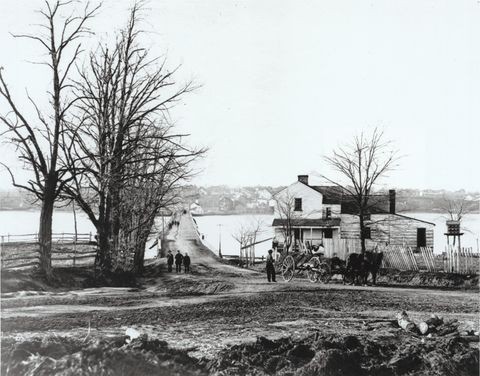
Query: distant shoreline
pixel 214 213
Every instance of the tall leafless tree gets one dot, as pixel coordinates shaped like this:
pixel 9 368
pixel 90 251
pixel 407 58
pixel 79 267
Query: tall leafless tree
pixel 285 211
pixel 38 140
pixel 361 164
pixel 457 208
pixel 246 235
pixel 123 154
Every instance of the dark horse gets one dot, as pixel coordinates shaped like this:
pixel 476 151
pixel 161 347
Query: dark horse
pixel 360 265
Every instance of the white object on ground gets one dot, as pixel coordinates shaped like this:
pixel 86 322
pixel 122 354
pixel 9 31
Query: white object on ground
pixel 132 333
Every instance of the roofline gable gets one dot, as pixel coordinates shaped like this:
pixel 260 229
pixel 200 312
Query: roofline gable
pixel 306 185
pixel 415 219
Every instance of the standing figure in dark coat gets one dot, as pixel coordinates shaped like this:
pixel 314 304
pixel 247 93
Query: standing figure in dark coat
pixel 178 262
pixel 186 262
pixel 270 267
pixel 169 261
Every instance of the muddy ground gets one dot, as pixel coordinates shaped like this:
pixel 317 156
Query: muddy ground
pixel 221 321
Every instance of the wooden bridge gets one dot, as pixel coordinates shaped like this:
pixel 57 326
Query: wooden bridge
pixel 185 237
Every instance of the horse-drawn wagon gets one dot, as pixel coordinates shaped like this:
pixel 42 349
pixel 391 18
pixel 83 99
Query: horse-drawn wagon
pixel 315 265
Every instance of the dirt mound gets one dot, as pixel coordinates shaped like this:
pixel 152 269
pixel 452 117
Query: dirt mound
pixel 189 287
pixel 64 279
pixel 428 279
pixel 348 356
pixel 316 354
pixel 66 356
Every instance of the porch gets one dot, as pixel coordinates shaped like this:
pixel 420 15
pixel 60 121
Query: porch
pixel 300 235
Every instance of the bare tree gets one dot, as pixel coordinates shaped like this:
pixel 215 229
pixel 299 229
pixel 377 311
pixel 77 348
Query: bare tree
pixel 246 235
pixel 457 208
pixel 361 165
pixel 123 154
pixel 242 236
pixel 285 211
pixel 154 184
pixel 38 140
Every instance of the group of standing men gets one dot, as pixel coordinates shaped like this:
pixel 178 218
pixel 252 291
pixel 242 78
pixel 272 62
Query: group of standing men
pixel 184 260
pixel 179 260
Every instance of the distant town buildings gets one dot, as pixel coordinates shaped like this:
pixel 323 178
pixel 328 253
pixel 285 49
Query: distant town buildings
pixel 259 199
pixel 196 209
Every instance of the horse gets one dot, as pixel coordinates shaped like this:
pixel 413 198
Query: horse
pixel 360 265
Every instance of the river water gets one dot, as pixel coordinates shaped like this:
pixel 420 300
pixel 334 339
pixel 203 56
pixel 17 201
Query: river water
pixel 218 230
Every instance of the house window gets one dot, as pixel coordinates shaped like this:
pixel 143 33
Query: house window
pixel 421 237
pixel 298 204
pixel 328 213
pixel 367 233
pixel 328 233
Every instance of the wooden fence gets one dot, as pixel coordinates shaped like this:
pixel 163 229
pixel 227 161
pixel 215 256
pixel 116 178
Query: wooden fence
pixel 60 237
pixel 22 251
pixel 463 261
pixel 453 260
pixel 401 258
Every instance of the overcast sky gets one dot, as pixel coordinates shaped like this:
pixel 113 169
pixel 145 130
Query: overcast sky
pixel 285 82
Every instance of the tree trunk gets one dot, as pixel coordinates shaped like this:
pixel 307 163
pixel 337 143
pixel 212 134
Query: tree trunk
pixel 362 233
pixel 103 251
pixel 139 257
pixel 45 234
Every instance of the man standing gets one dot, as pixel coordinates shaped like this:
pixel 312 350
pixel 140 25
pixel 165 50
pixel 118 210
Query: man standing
pixel 186 262
pixel 178 262
pixel 270 267
pixel 169 261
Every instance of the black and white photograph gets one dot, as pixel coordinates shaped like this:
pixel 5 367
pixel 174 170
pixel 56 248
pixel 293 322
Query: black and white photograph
pixel 240 187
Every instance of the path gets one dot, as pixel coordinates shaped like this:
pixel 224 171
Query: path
pixel 186 238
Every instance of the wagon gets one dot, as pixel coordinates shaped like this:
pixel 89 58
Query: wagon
pixel 316 267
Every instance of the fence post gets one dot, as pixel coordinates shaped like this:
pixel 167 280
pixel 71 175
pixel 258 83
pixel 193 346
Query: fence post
pixel 412 257
pixel 432 258
pixel 445 260
pixel 397 258
pixel 74 250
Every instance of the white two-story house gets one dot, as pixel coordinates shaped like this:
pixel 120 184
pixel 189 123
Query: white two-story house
pixel 313 215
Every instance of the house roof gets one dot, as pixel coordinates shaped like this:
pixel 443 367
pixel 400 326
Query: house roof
pixel 415 219
pixel 307 222
pixel 331 194
pixel 377 204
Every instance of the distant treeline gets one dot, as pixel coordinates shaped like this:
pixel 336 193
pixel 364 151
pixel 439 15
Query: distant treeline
pixel 225 200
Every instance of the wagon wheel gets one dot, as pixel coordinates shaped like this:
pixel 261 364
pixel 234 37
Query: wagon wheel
pixel 312 271
pixel 288 268
pixel 324 272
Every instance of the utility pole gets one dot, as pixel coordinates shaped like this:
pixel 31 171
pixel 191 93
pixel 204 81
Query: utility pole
pixel 219 240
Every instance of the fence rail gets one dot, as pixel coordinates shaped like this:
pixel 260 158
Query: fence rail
pixel 22 251
pixel 59 237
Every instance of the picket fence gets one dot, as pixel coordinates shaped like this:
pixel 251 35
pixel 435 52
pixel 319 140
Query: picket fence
pixel 453 260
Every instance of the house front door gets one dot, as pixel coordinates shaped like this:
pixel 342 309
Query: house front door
pixel 421 237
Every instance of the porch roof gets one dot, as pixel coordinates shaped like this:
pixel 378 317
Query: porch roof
pixel 307 222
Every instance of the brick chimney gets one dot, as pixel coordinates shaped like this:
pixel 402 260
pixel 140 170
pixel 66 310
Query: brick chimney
pixel 303 179
pixel 391 196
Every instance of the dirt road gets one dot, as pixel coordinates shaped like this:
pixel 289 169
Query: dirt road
pixel 208 313
pixel 219 305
